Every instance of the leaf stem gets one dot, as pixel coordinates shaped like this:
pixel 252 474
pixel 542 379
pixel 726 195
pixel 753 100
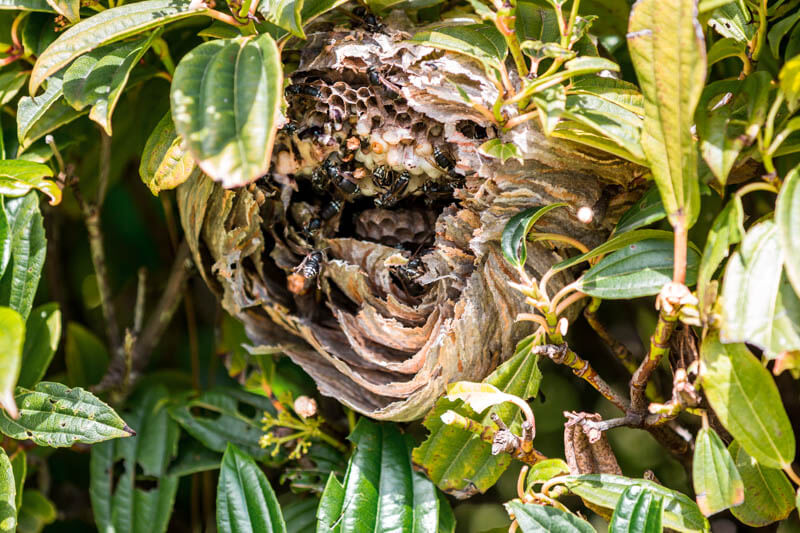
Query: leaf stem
pixel 791 473
pixel 224 17
pixel 680 250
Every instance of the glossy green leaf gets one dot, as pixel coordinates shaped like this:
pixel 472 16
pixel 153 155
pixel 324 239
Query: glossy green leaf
pixel 747 402
pixel 104 28
pixel 447 520
pixel 166 163
pixel 300 514
pixel 27 5
pixel 6 239
pixel 533 518
pixel 580 66
pixel 787 218
pixel 550 104
pixel 245 500
pixel 758 303
pixel 86 356
pixel 19 466
pixel 119 502
pixel 608 119
pixel 768 495
pixel 38 116
pixel 36 512
pixel 638 511
pixel 286 14
pixel 514 234
pixel 18 177
pixel 8 495
pixel 41 341
pixel 225 422
pixel 617 92
pixel 613 244
pixel 500 150
pixel 458 461
pixel 725 48
pixel 790 82
pixel 640 269
pixel 12 337
pixel 717 482
pixel 587 135
pixel 544 471
pixel 779 30
pixel 727 230
pixel 733 20
pixel 668 51
pixel 69 9
pixel 28 247
pixel 229 127
pixel 10 84
pixel 646 211
pixel 479 41
pixel 605 490
pixel 51 414
pixel 97 79
pixel 381 491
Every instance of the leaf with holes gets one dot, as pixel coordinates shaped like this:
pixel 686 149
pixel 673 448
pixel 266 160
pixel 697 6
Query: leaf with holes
pixel 18 177
pixel 12 337
pixel 380 491
pixel 458 461
pixel 97 79
pixel 768 495
pixel 717 482
pixel 119 502
pixel 229 127
pixel 667 48
pixel 52 414
pixel 533 518
pixel 640 269
pixel 746 400
pixel 245 499
pixel 104 28
pixel 514 234
pixel 166 163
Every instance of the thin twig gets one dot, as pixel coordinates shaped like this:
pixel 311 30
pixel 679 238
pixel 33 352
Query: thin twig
pixel 105 168
pixel 659 346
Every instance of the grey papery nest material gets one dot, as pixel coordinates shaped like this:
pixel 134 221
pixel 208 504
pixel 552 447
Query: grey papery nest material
pixel 387 293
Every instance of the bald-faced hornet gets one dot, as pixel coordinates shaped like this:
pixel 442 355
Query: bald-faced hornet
pixel 443 160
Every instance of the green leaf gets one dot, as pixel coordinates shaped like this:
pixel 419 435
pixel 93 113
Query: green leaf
pixel 18 177
pixel 613 244
pixel 104 28
pixel 638 511
pixel 458 461
pixel 36 512
pixel 381 491
pixel 300 514
pixel 19 466
pixel 787 218
pixel 544 471
pixel 6 239
pixel 779 30
pixel 725 48
pixel 478 396
pixel 97 79
pixel 245 500
pixel 38 116
pixel 8 495
pixel 758 304
pixel 166 163
pixel 668 51
pixel 12 337
pixel 580 66
pixel 27 5
pixel 605 490
pixel 447 520
pixel 28 247
pixel 717 482
pixel 41 341
pixel 747 402
pixel 646 211
pixel 727 230
pixel 119 502
pixel 608 119
pixel 640 269
pixel 514 234
pixel 500 150
pixel 286 14
pixel 789 77
pixel 69 9
pixel 230 141
pixel 227 422
pixel 10 84
pixel 768 495
pixel 733 20
pixel 550 103
pixel 86 356
pixel 617 92
pixel 542 519
pixel 479 41
pixel 192 458
pixel 51 414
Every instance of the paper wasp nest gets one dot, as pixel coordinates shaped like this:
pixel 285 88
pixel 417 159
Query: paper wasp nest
pixel 370 254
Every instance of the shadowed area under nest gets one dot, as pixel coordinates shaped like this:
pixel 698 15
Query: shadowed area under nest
pixel 370 254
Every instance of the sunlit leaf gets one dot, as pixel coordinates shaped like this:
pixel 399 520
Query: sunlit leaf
pixel 746 400
pixel 500 150
pixel 12 337
pixel 790 82
pixel 286 14
pixel 768 495
pixel 480 41
pixel 231 142
pixel 544 471
pixel 478 396
pixel 533 518
pixel 514 234
pixel 717 482
pixel 615 243
pixel 668 50
pixel 8 495
pixel 787 218
pixel 638 511
pixel 732 20
pixel 166 163
pixel 727 230
pixel 18 177
pixel 27 5
pixel 646 211
pixel 725 48
pixel 38 116
pixel 20 280
pixel 70 9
